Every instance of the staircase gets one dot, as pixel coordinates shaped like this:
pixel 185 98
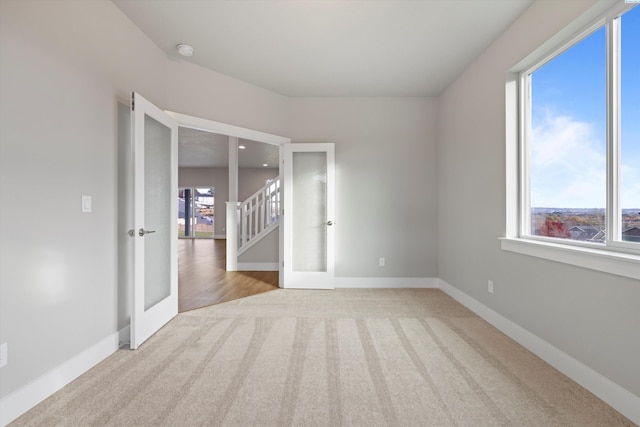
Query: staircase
pixel 258 215
pixel 252 220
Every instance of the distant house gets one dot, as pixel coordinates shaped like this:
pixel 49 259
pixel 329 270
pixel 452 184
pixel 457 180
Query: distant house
pixel 597 235
pixel 587 233
pixel 631 235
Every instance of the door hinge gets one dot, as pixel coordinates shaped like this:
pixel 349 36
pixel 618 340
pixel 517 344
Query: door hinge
pixel 133 101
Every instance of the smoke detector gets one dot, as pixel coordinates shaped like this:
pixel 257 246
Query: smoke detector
pixel 184 49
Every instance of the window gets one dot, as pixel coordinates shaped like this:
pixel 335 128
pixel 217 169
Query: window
pixel 196 212
pixel 580 139
pixel 573 145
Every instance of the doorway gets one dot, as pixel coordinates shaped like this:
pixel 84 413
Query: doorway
pixel 196 212
pixel 216 165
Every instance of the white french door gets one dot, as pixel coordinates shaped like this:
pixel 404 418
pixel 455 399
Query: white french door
pixel 309 191
pixel 155 234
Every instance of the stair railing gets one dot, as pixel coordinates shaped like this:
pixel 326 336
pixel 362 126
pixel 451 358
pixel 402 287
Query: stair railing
pixel 258 213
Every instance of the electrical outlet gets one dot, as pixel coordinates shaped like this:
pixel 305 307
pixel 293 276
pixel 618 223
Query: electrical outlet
pixel 3 355
pixel 490 286
pixel 381 262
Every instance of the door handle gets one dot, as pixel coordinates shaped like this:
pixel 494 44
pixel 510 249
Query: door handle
pixel 142 232
pixel 330 223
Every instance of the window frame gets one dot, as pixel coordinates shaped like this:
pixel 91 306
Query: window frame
pixel 615 255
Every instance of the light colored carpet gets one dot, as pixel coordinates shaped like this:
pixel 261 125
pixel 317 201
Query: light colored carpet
pixel 411 357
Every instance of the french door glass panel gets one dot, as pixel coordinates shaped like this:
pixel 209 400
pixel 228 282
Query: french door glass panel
pixel 310 208
pixel 157 217
pixel 309 230
pixel 155 231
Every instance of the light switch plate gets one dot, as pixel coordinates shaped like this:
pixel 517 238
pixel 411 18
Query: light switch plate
pixel 86 204
pixel 3 355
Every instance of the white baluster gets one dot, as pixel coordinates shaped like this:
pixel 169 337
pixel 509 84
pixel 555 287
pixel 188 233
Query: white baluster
pixel 258 212
pixel 244 225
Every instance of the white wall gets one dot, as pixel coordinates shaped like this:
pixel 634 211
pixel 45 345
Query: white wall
pixel 58 109
pixel 65 66
pixel 591 316
pixel 386 188
pixel 251 180
pixel 199 92
pixel 264 253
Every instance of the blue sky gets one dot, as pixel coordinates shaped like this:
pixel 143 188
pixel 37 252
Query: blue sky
pixel 568 158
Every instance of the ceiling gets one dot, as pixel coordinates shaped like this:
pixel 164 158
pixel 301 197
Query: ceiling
pixel 198 148
pixel 303 48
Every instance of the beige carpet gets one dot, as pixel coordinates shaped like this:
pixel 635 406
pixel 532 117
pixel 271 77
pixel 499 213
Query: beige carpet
pixel 326 358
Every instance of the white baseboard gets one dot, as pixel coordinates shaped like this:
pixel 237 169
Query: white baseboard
pixel 257 266
pixel 386 282
pixel 28 396
pixel 614 395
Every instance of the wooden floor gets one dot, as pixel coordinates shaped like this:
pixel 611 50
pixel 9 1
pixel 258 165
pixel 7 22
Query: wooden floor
pixel 203 281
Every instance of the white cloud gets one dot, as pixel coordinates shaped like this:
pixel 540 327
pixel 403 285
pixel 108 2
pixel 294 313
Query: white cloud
pixel 568 164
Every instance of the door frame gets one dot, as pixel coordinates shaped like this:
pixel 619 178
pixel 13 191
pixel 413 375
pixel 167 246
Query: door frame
pixel 185 120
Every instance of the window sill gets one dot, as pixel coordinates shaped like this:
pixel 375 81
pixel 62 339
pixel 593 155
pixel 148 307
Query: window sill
pixel 621 264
